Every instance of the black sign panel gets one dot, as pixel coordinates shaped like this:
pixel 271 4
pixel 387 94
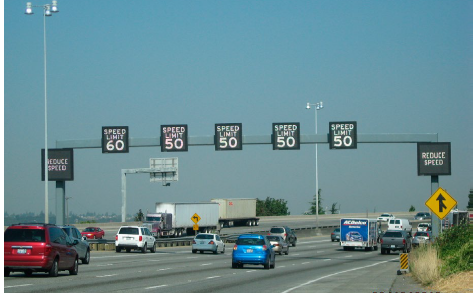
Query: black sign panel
pixel 434 158
pixel 286 136
pixel 115 139
pixel 174 138
pixel 343 135
pixel 60 165
pixel 228 137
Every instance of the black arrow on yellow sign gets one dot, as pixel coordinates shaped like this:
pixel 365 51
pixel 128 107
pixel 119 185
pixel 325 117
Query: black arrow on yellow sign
pixel 440 199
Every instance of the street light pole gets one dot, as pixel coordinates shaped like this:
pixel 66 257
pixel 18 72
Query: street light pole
pixel 48 9
pixel 318 106
pixel 67 208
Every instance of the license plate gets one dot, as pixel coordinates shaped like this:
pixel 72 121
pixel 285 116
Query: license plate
pixel 393 246
pixel 21 251
pixel 128 238
pixel 201 242
pixel 249 250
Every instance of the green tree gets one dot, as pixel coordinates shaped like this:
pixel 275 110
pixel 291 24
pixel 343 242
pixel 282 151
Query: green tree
pixel 412 209
pixel 139 216
pixel 470 200
pixel 271 207
pixel 334 209
pixel 313 207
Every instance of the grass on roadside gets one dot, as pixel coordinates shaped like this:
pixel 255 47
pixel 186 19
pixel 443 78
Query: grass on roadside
pixel 425 264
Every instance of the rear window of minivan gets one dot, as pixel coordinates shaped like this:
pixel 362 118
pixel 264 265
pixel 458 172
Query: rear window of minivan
pixel 277 230
pixel 129 230
pixel 394 222
pixel 24 235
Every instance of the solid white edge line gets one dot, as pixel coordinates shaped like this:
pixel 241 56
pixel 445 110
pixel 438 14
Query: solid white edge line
pixel 334 274
pixel 14 286
pixel 154 287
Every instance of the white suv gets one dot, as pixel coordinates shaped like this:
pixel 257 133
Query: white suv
pixel 134 237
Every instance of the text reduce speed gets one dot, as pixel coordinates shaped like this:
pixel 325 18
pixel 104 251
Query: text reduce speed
pixel 343 135
pixel 434 158
pixel 174 138
pixel 115 139
pixel 286 136
pixel 60 164
pixel 228 136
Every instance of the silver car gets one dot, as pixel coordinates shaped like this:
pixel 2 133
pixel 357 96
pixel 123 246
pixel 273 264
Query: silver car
pixel 83 248
pixel 280 246
pixel 208 242
pixel 335 236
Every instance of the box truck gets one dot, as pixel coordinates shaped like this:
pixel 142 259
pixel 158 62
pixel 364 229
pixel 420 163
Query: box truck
pixel 237 211
pixel 359 232
pixel 175 219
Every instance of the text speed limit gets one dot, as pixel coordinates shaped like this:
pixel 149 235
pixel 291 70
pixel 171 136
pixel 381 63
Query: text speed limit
pixel 174 138
pixel 286 136
pixel 115 139
pixel 343 135
pixel 228 136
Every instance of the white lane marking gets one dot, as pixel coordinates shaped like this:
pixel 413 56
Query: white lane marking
pixel 305 262
pixel 318 241
pixel 121 255
pixel 192 257
pixel 320 251
pixel 154 260
pixel 334 274
pixel 205 264
pixel 311 246
pixel 327 259
pixel 295 254
pixel 17 286
pixel 348 255
pixel 109 264
pixel 164 269
pixel 104 276
pixel 213 277
pixel 251 271
pixel 154 287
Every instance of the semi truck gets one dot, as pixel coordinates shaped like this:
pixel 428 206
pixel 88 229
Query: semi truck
pixel 175 219
pixel 237 211
pixel 359 233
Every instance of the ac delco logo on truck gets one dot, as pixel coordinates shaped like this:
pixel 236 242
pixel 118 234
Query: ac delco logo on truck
pixel 354 222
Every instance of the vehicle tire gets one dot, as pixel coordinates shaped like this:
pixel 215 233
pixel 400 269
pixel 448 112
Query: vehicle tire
pixel 234 265
pixel 266 265
pixel 194 251
pixel 333 240
pixel 128 250
pixel 280 252
pixel 28 273
pixel 53 272
pixel 201 251
pixel 345 248
pixel 404 249
pixel 144 248
pixel 287 251
pixel 153 248
pixel 294 244
pixel 376 247
pixel 75 269
pixel 223 250
pixel 118 249
pixel 86 259
pixel 273 265
pixel 6 273
pixel 388 251
pixel 215 251
pixel 383 251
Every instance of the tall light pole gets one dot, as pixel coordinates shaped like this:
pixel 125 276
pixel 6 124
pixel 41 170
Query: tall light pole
pixel 318 106
pixel 67 208
pixel 48 10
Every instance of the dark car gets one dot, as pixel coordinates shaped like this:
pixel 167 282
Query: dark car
pixel 422 216
pixel 36 247
pixel 285 232
pixel 82 246
pixel 253 249
pixel 394 240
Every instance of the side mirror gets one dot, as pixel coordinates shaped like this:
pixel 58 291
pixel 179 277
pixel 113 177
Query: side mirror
pixel 84 238
pixel 75 242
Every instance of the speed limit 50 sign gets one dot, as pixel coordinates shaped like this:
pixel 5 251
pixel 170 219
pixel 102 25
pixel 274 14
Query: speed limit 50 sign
pixel 174 138
pixel 115 139
pixel 342 135
pixel 286 136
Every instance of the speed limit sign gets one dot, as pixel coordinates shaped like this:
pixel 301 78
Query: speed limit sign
pixel 174 138
pixel 115 139
pixel 342 135
pixel 286 136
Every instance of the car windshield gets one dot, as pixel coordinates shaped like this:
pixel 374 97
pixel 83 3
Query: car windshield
pixel 273 238
pixel 89 229
pixel 277 230
pixel 337 230
pixel 385 215
pixel 129 230
pixel 24 235
pixel 204 236
pixel 153 219
pixel 393 234
pixel 423 225
pixel 250 241
pixel 420 214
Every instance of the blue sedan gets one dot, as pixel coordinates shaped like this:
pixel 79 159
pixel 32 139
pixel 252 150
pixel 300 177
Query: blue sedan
pixel 255 250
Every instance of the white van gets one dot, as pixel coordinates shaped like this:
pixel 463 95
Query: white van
pixel 400 224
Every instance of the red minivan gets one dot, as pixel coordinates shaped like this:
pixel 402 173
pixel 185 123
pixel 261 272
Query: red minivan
pixel 36 247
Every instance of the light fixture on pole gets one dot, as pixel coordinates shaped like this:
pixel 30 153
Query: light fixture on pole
pixel 318 106
pixel 48 9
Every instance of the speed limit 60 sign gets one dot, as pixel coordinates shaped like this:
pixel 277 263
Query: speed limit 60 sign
pixel 286 136
pixel 228 136
pixel 115 139
pixel 342 135
pixel 174 138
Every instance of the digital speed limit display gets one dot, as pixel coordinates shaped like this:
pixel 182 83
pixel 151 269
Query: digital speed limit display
pixel 286 136
pixel 228 137
pixel 342 135
pixel 174 138
pixel 115 139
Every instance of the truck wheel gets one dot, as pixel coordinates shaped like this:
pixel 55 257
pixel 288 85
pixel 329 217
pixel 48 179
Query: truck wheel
pixel 127 250
pixel 153 248
pixel 388 251
pixel 194 251
pixel 118 249
pixel 144 248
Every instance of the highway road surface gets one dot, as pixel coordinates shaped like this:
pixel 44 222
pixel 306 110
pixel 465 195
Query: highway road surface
pixel 315 263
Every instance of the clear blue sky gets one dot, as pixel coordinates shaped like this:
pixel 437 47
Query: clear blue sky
pixel 392 66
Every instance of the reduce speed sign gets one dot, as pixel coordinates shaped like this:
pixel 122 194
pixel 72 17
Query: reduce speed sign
pixel 343 135
pixel 115 139
pixel 174 138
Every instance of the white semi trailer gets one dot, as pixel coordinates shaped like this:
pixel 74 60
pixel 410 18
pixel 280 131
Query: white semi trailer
pixel 237 211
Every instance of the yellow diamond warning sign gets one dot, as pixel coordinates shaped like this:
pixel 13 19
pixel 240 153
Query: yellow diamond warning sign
pixel 440 203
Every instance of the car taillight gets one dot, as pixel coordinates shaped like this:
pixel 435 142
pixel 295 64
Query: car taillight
pixel 403 241
pixel 381 241
pixel 141 238
pixel 193 242
pixel 333 233
pixel 285 234
pixel 235 247
pixel 116 237
pixel 277 244
pixel 265 247
pixel 47 249
pixel 211 242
